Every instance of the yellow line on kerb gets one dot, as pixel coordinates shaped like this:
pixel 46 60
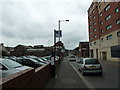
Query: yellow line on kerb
pixel 83 79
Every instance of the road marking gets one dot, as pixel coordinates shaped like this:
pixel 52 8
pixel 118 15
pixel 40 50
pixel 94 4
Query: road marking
pixel 83 79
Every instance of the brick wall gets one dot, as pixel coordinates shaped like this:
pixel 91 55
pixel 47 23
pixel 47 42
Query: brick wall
pixel 29 78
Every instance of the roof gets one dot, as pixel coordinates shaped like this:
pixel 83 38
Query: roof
pixel 27 47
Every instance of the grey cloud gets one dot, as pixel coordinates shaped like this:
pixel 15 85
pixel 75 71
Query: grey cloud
pixel 33 21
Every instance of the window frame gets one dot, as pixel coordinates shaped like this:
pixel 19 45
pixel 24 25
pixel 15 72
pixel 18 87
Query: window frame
pixel 109 37
pixel 94 29
pixel 118 21
pixel 108 27
pixel 107 7
pixel 101 14
pixel 118 34
pixel 117 10
pixel 108 17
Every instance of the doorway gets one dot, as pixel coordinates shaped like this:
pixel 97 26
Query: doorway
pixel 104 54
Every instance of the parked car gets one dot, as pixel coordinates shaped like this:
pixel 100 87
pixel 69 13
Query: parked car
pixel 44 59
pixel 40 60
pixel 72 58
pixel 89 65
pixel 13 58
pixel 29 62
pixel 48 57
pixel 8 67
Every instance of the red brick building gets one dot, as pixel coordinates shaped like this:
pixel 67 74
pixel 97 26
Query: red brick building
pixel 104 30
pixel 84 49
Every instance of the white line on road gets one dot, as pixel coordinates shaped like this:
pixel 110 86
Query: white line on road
pixel 83 79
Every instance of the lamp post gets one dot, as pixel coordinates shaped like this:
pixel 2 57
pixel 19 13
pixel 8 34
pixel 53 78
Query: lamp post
pixel 59 36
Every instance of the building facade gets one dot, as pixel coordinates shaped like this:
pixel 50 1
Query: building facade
pixel 104 30
pixel 84 49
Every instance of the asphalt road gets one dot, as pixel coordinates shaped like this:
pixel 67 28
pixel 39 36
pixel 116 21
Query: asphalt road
pixel 109 79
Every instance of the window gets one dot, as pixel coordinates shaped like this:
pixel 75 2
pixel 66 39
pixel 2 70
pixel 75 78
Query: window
pixel 117 10
pixel 90 38
pixel 105 0
pixel 94 23
pixel 101 22
pixel 93 11
pixel 90 27
pixel 95 43
pixel 118 21
pixel 101 14
pixel 90 22
pixel 102 31
pixel 109 37
pixel 95 36
pixel 81 61
pixel 90 33
pixel 115 51
pixel 91 61
pixel 118 33
pixel 93 17
pixel 106 9
pixel 11 64
pixel 89 16
pixel 109 27
pixel 94 29
pixel 100 7
pixel 108 17
pixel 102 39
pixel 20 61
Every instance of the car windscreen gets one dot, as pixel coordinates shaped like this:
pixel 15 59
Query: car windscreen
pixel 91 61
pixel 43 58
pixel 33 60
pixel 11 64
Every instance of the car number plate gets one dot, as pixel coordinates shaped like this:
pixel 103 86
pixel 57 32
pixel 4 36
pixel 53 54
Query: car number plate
pixel 92 66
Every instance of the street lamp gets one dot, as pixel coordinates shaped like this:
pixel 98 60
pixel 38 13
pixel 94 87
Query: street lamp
pixel 59 36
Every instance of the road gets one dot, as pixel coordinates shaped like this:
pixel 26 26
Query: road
pixel 109 79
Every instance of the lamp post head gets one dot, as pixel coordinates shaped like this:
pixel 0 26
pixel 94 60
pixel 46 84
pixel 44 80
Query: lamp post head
pixel 64 20
pixel 67 20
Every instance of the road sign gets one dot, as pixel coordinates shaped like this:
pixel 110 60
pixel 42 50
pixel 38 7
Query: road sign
pixel 58 33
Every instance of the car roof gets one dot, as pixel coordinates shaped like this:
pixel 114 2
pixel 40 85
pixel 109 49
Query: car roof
pixel 1 59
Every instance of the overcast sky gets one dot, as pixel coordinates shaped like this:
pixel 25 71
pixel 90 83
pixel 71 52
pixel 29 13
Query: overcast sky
pixel 32 22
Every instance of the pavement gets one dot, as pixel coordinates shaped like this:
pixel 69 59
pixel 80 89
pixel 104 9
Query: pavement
pixel 66 77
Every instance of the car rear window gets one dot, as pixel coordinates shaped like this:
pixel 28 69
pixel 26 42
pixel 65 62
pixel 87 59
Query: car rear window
pixel 91 61
pixel 72 57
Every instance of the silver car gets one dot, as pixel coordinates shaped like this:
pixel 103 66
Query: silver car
pixel 72 58
pixel 8 67
pixel 89 65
